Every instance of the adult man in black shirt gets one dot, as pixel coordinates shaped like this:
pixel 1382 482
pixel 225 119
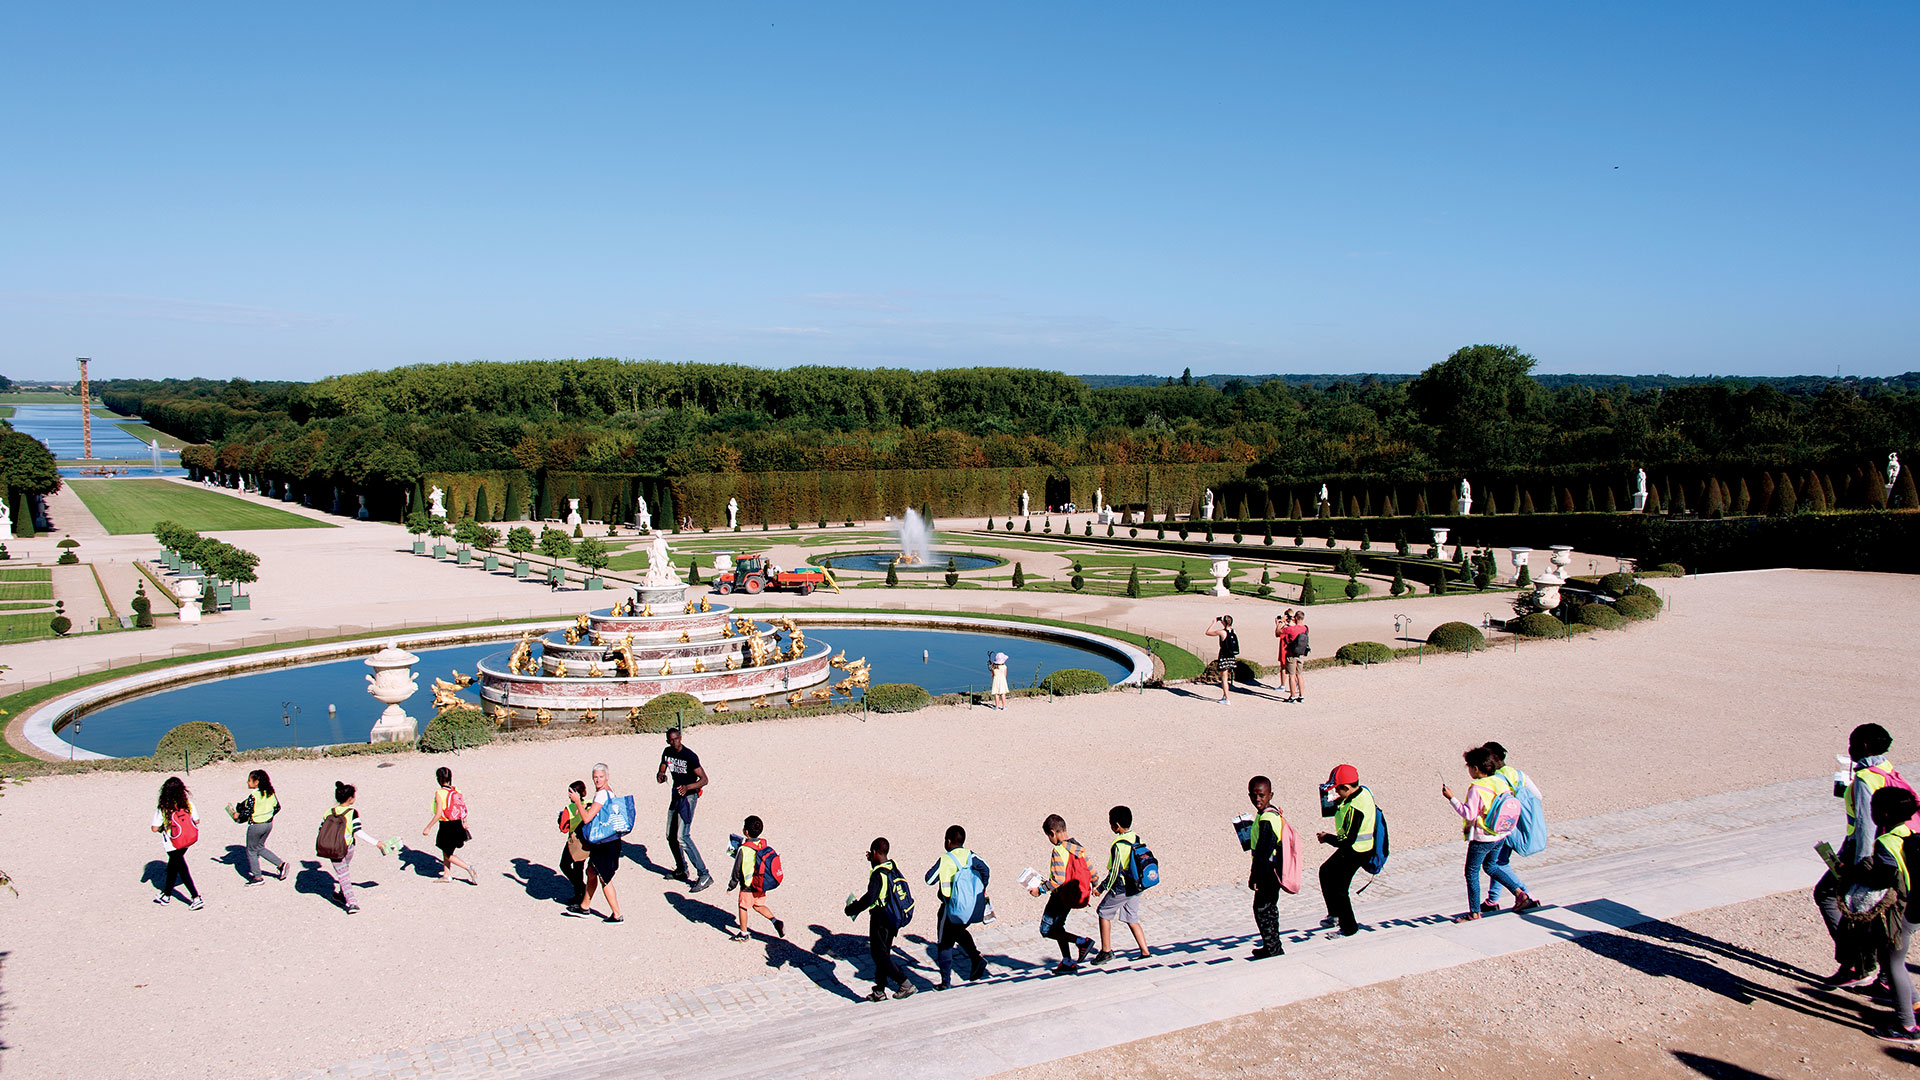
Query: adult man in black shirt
pixel 683 765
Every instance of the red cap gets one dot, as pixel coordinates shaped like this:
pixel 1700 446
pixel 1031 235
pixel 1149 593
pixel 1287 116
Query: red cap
pixel 1344 774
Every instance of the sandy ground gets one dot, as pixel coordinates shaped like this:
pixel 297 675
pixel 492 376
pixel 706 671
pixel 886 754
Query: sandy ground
pixel 1755 678
pixel 1727 993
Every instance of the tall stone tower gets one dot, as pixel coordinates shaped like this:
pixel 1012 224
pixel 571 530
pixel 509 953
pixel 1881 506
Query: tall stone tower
pixel 86 414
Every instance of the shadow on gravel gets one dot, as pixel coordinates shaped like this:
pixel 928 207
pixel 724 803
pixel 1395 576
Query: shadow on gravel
pixel 541 882
pixel 1715 1069
pixel 423 864
pixel 699 911
pixel 235 856
pixel 154 873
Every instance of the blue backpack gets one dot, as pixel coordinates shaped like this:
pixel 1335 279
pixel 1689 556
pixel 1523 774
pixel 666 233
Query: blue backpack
pixel 896 899
pixel 1143 869
pixel 967 902
pixel 1529 836
pixel 1377 858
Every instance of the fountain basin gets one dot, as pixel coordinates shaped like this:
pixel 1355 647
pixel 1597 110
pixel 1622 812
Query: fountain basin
pixel 878 561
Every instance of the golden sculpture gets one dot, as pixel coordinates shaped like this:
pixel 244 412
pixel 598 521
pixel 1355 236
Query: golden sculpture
pixel 572 636
pixel 721 706
pixel 445 696
pixel 633 715
pixel 543 716
pixel 761 702
pixel 795 698
pixel 758 651
pixel 647 611
pixel 508 716
pixel 706 604
pixel 699 665
pixel 689 609
pixel 595 671
pixel 821 694
pixel 733 661
pixel 726 630
pixel 521 662
pixel 839 659
pixel 559 669
pixel 666 668
pixel 583 622
pixel 588 716
pixel 627 663
pixel 463 680
pixel 684 639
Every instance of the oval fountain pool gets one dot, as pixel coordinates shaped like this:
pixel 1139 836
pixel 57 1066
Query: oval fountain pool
pixel 253 705
pixel 935 563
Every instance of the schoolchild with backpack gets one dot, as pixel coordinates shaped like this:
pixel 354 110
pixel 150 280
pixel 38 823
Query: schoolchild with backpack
pixel 1867 773
pixel 257 812
pixel 450 817
pixel 1270 839
pixel 1488 815
pixel 962 879
pixel 756 868
pixel 1356 820
pixel 1068 886
pixel 340 830
pixel 1131 870
pixel 1885 929
pixel 1529 836
pixel 178 824
pixel 889 907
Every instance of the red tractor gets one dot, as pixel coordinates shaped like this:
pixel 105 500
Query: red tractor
pixel 752 575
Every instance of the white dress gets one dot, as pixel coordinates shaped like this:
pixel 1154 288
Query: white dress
pixel 999 678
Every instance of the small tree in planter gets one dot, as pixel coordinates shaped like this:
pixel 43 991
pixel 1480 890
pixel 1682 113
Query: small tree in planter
pixel 555 544
pixel 519 542
pixel 439 531
pixel 592 554
pixel 419 524
pixel 463 535
pixel 486 538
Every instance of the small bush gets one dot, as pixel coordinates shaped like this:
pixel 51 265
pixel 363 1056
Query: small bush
pixel 1308 591
pixel 1019 576
pixel 456 729
pixel 1457 637
pixel 1244 671
pixel 897 697
pixel 67 558
pixel 1069 681
pixel 1617 584
pixel 1645 592
pixel 1363 652
pixel 197 741
pixel 1264 590
pixel 1635 607
pixel 1540 624
pixel 667 710
pixel 1672 569
pixel 69 542
pixel 1602 616
pixel 60 624
pixel 1399 581
pixel 1182 580
pixel 1353 588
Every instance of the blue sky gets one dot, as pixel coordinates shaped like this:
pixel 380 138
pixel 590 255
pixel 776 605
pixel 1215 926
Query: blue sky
pixel 282 191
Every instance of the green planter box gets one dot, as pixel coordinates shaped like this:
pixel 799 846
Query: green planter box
pixel 521 570
pixel 242 602
pixel 419 547
pixel 490 563
pixel 439 551
pixel 466 557
pixel 594 583
pixel 556 576
pixel 223 595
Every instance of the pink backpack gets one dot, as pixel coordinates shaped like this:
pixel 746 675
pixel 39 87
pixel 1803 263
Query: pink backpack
pixel 1289 858
pixel 1894 779
pixel 456 805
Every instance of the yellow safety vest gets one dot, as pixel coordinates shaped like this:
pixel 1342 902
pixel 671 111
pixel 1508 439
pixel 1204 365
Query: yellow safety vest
pixel 1274 821
pixel 1491 788
pixel 1894 840
pixel 1361 804
pixel 1874 782
pixel 264 807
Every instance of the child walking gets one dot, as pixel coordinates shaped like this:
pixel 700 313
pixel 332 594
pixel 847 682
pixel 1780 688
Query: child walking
pixel 450 815
pixel 1068 885
pixel 257 811
pixel 178 824
pixel 750 872
pixel 337 840
pixel 1267 841
pixel 1484 834
pixel 1352 842
pixel 1121 886
pixel 883 879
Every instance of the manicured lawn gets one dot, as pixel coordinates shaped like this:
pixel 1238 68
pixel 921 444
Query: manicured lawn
pixel 6 412
pixel 26 627
pixel 39 398
pixel 25 573
pixel 27 590
pixel 134 506
pixel 147 434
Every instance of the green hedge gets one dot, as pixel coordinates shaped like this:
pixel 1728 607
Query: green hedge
pixel 1069 681
pixel 896 697
pixel 667 710
pixel 1645 592
pixel 1602 616
pixel 456 729
pixel 1244 671
pixel 196 741
pixel 1635 607
pixel 1457 637
pixel 1364 652
pixel 1616 584
pixel 1540 624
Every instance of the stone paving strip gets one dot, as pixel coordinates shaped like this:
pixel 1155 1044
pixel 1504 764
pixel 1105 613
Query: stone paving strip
pixel 1599 873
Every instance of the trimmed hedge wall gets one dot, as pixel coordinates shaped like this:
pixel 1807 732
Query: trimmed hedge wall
pixel 1070 681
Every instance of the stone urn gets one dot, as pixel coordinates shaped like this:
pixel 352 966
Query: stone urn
pixel 392 682
pixel 1562 555
pixel 1220 568
pixel 1440 543
pixel 190 599
pixel 1519 560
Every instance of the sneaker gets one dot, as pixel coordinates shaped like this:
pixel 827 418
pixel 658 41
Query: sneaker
pixel 196 904
pixel 1101 957
pixel 704 882
pixel 1065 967
pixel 1866 979
pixel 1329 922
pixel 779 928
pixel 1085 944
pixel 1908 1035
pixel 252 881
pixel 1488 907
pixel 1263 953
pixel 576 911
pixel 738 936
pixel 1523 902
pixel 1846 974
pixel 162 898
pixel 1468 917
pixel 613 919
pixel 879 994
pixel 905 991
pixel 353 909
pixel 283 871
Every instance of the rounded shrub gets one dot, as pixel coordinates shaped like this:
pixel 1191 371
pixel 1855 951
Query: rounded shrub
pixel 1634 607
pixel 1457 637
pixel 667 710
pixel 1601 616
pixel 1617 584
pixel 897 697
pixel 1244 671
pixel 1645 592
pixel 1363 652
pixel 67 558
pixel 1540 624
pixel 60 624
pixel 456 729
pixel 1068 681
pixel 197 742
pixel 1672 569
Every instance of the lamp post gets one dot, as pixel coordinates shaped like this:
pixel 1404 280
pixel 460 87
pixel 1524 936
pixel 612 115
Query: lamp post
pixel 76 731
pixel 290 716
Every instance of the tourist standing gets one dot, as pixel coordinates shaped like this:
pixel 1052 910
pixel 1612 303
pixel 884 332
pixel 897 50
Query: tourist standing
pixel 340 830
pixel 1354 817
pixel 178 824
pixel 1517 782
pixel 883 884
pixel 1121 886
pixel 449 821
pixel 603 858
pixel 997 667
pixel 1068 885
pixel 1281 624
pixel 682 767
pixel 753 875
pixel 1484 832
pixel 1267 840
pixel 257 811
pixel 1890 923
pixel 962 879
pixel 1867 773
pixel 573 854
pixel 1229 659
pixel 1297 645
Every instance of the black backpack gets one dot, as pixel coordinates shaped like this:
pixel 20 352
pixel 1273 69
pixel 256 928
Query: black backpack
pixel 1299 646
pixel 1229 645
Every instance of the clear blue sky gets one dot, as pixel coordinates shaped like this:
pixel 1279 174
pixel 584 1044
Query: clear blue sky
pixel 277 190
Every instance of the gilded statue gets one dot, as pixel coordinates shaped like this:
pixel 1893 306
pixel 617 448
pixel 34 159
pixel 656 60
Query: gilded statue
pixel 627 663
pixel 595 671
pixel 761 702
pixel 560 669
pixel 446 696
pixel 588 716
pixel 521 662
pixel 633 715
pixel 572 636
pixel 684 639
pixel 543 716
pixel 795 698
pixel 705 603
pixel 689 609
pixel 721 706
pixel 666 668
pixel 733 661
pixel 463 680
pixel 699 665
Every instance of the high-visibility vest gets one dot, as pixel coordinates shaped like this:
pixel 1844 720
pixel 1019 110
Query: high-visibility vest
pixel 1874 781
pixel 1894 841
pixel 1491 788
pixel 1274 822
pixel 1361 804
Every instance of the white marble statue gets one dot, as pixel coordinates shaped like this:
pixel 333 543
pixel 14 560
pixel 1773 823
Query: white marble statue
pixel 1099 499
pixel 642 516
pixel 361 513
pixel 1893 471
pixel 1206 506
pixel 1640 483
pixel 660 571
pixel 6 519
pixel 1465 505
pixel 1023 502
pixel 733 513
pixel 573 511
pixel 438 500
pixel 1323 493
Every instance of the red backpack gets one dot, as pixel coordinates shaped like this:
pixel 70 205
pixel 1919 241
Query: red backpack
pixel 767 871
pixel 1079 873
pixel 181 830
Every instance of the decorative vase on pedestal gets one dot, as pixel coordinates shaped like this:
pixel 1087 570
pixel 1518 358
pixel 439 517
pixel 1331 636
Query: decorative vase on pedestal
pixel 1220 568
pixel 1440 543
pixel 392 682
pixel 190 599
pixel 1519 560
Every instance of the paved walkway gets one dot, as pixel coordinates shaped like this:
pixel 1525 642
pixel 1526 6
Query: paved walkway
pixel 803 1018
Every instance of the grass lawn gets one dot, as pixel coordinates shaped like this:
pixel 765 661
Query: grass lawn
pixel 147 434
pixel 27 590
pixel 6 412
pixel 134 506
pixel 39 397
pixel 26 573
pixel 26 627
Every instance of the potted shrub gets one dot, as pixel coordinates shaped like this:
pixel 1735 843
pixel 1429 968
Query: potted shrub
pixel 592 554
pixel 438 529
pixel 486 538
pixel 463 535
pixel 419 524
pixel 519 542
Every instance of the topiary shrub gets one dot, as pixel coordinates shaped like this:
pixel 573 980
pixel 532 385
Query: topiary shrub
pixel 1457 637
pixel 142 608
pixel 1308 591
pixel 1352 588
pixel 1019 576
pixel 668 710
pixel 897 697
pixel 456 729
pixel 196 742
pixel 1617 584
pixel 1635 607
pixel 1182 580
pixel 1069 681
pixel 1363 652
pixel 1645 592
pixel 1602 616
pixel 1672 569
pixel 67 558
pixel 1540 624
pixel 1244 671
